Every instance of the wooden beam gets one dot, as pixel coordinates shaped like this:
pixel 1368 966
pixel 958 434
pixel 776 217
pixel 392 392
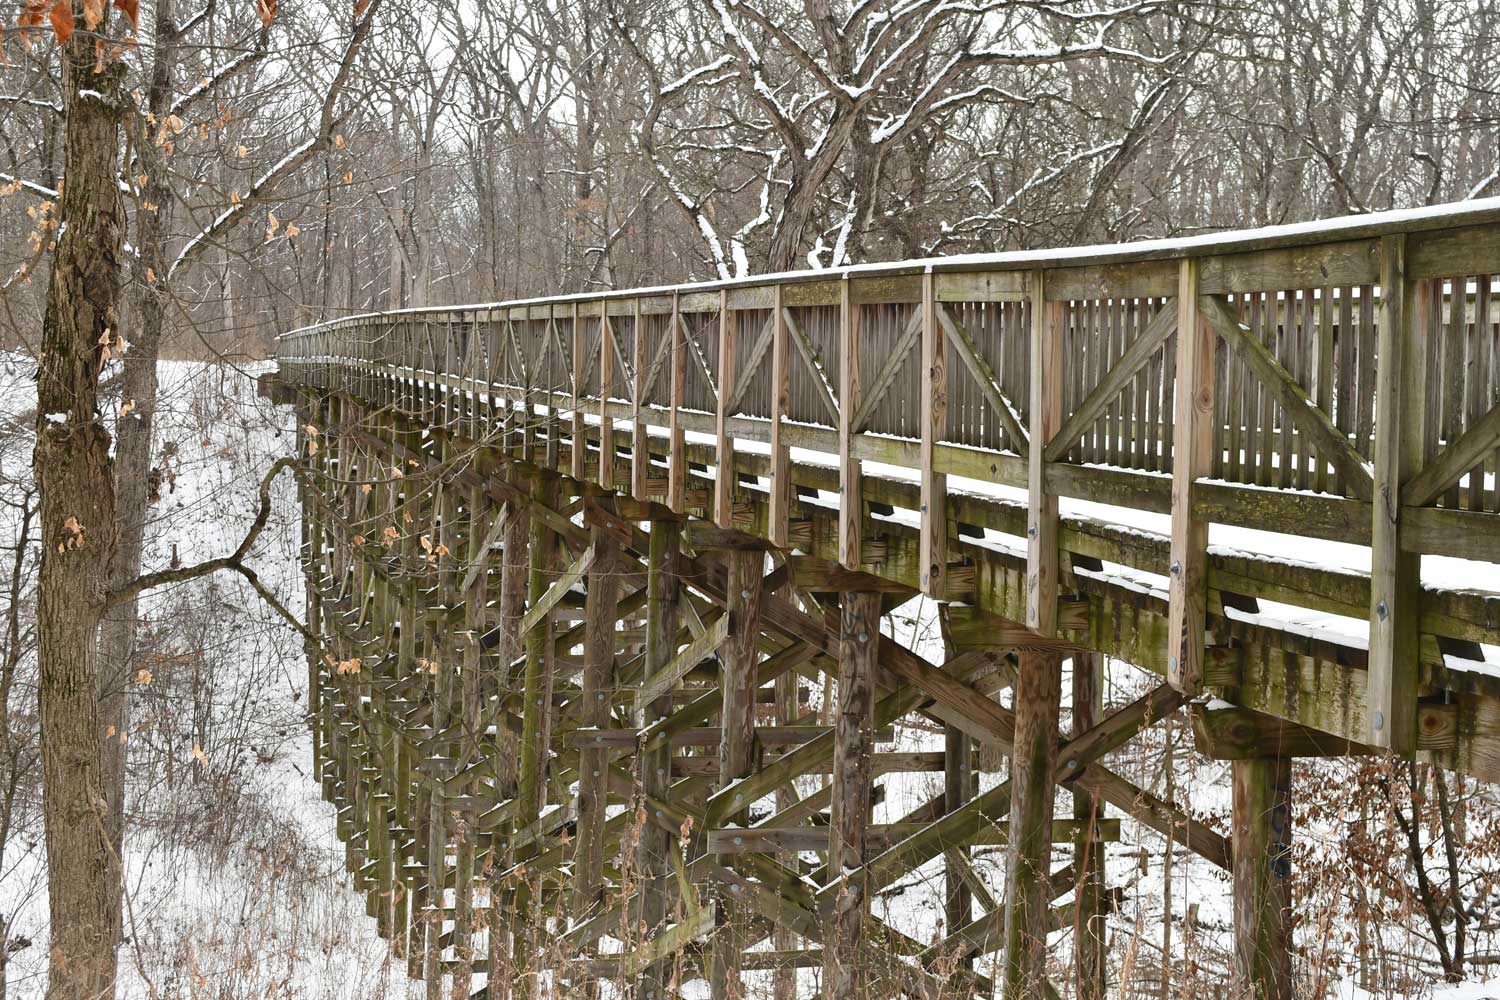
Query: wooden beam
pixel 666 676
pixel 543 604
pixel 821 576
pixel 817 839
pixel 1192 446
pixel 1235 733
pixel 1476 444
pixel 1395 574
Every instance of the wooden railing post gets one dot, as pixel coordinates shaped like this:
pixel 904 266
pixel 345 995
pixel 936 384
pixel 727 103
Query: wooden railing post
pixel 677 461
pixel 606 386
pixel 1192 454
pixel 851 492
pixel 934 422
pixel 578 453
pixel 779 515
pixel 640 441
pixel 1400 425
pixel 724 474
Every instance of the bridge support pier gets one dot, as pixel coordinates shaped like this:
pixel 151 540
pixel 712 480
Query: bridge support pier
pixel 1262 870
pixel 845 971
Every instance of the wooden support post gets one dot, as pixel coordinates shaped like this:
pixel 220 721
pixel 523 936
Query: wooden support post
pixel 737 682
pixel 663 614
pixel 1192 458
pixel 1038 693
pixel 724 476
pixel 677 460
pixel 640 442
pixel 851 498
pixel 1090 930
pixel 784 980
pixel 537 683
pixel 474 681
pixel 601 619
pixel 960 784
pixel 845 966
pixel 1262 871
pixel 536 708
pixel 437 825
pixel 779 518
pixel 1400 433
pixel 934 423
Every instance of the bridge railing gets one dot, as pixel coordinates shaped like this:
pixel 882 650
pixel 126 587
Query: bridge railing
pixel 1336 381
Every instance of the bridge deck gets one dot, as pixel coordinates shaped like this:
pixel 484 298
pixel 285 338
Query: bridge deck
pixel 1335 383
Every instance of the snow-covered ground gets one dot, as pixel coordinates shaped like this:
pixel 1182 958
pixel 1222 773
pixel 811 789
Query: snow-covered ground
pixel 235 880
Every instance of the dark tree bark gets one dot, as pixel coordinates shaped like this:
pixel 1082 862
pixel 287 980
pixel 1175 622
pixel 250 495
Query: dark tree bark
pixel 76 483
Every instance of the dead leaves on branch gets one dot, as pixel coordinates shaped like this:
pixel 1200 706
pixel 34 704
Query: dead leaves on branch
pixel 61 16
pixel 72 535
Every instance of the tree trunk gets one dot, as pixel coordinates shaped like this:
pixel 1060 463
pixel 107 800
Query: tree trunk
pixel 133 437
pixel 74 477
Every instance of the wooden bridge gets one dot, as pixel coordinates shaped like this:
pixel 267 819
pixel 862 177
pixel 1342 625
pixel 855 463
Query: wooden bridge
pixel 604 679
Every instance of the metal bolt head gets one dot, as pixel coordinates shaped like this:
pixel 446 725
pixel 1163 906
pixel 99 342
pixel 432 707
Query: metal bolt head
pixel 1381 612
pixel 1379 721
pixel 745 594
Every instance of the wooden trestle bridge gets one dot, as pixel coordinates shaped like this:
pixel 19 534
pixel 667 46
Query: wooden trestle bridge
pixel 604 679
